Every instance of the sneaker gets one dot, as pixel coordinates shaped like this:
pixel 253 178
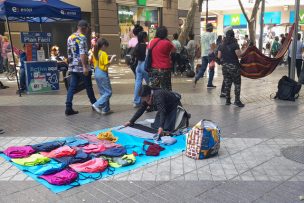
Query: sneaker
pixel 211 86
pixel 239 104
pixel 136 105
pixel 70 112
pixel 107 113
pixel 228 101
pixel 95 108
pixel 194 82
pixel 222 95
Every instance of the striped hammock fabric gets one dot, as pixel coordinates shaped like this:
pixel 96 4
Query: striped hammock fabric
pixel 254 64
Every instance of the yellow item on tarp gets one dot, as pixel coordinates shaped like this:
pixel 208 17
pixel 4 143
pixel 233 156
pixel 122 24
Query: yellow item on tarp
pixel 107 136
pixel 125 160
pixel 33 160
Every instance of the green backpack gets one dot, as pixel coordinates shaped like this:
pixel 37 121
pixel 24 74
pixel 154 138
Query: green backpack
pixel 33 160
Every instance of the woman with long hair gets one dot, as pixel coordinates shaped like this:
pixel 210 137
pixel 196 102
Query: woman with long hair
pixel 141 73
pixel 101 65
pixel 228 53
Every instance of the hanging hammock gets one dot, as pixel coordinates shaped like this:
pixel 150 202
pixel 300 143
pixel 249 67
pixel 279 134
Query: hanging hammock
pixel 254 64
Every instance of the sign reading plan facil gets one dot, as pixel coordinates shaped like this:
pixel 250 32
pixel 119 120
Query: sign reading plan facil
pixel 36 37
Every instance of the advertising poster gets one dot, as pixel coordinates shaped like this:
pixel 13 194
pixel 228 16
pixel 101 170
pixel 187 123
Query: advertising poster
pixel 41 77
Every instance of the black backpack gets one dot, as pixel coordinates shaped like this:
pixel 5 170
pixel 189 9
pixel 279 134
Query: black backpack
pixel 131 59
pixel 288 89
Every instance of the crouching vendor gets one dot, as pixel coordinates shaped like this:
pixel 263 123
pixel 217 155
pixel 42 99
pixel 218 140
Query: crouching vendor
pixel 164 102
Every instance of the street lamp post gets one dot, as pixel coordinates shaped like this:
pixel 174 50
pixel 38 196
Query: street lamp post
pixel 291 72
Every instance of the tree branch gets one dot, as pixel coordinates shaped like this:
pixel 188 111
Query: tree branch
pixel 243 10
pixel 255 9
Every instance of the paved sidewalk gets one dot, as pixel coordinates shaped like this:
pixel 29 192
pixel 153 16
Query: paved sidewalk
pixel 249 168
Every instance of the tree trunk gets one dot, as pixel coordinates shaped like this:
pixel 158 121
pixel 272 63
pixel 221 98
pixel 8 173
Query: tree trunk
pixel 252 34
pixel 251 22
pixel 188 23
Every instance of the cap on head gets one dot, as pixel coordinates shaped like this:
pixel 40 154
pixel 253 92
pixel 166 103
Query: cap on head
pixel 83 24
pixel 226 29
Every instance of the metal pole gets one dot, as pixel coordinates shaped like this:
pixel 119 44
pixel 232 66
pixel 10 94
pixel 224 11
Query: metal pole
pixel 12 47
pixel 262 26
pixel 207 12
pixel 295 41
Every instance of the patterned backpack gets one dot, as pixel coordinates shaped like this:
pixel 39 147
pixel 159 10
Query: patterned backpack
pixel 203 140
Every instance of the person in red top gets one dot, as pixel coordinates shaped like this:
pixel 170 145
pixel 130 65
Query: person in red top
pixel 161 59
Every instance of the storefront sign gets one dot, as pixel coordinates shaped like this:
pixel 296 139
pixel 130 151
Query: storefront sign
pixel 41 77
pixel 301 17
pixel 36 37
pixel 235 20
pixel 142 2
pixel 272 18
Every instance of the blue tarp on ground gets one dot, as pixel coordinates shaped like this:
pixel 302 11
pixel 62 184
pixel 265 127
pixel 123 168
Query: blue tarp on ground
pixel 38 11
pixel 123 139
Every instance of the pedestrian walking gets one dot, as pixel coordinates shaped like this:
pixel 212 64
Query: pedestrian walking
pixel 101 65
pixel 229 52
pixel 141 73
pixel 176 56
pixel 78 65
pixel 275 47
pixel 161 60
pixel 6 48
pixel 299 52
pixel 208 38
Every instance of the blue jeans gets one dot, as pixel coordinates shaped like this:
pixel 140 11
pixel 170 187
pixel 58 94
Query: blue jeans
pixel 141 74
pixel 105 89
pixel 205 62
pixel 75 78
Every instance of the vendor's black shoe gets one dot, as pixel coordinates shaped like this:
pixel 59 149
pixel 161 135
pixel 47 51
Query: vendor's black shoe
pixel 238 103
pixel 222 95
pixel 211 86
pixel 228 101
pixel 69 112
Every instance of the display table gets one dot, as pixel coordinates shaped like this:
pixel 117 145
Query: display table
pixel 41 77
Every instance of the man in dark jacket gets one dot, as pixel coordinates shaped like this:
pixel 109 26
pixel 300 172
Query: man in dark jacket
pixel 164 101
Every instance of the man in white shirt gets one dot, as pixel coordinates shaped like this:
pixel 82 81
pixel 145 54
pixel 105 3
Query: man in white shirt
pixel 207 40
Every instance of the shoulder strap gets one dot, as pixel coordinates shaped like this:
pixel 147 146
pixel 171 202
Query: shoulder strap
pixel 155 44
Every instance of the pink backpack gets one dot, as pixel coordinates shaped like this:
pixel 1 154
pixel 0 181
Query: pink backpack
pixel 19 151
pixel 64 177
pixel 93 166
pixel 93 148
pixel 94 140
pixel 60 152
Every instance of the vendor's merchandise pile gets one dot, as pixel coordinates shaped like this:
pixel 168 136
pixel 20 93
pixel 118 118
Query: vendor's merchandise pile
pixel 72 161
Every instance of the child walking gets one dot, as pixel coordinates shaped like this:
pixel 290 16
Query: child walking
pixel 101 65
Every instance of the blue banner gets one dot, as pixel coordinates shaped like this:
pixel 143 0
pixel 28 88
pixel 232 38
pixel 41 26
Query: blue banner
pixel 36 37
pixel 41 77
pixel 272 18
pixel 235 20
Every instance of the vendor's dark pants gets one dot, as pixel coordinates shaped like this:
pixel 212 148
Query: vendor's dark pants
pixel 298 66
pixel 169 121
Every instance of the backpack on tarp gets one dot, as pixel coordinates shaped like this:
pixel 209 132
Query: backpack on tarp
pixel 64 177
pixel 288 89
pixel 203 140
pixel 33 160
pixel 112 152
pixel 96 165
pixel 93 148
pixel 74 142
pixel 47 146
pixel 19 151
pixel 79 157
pixel 125 160
pixel 60 152
pixel 49 168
